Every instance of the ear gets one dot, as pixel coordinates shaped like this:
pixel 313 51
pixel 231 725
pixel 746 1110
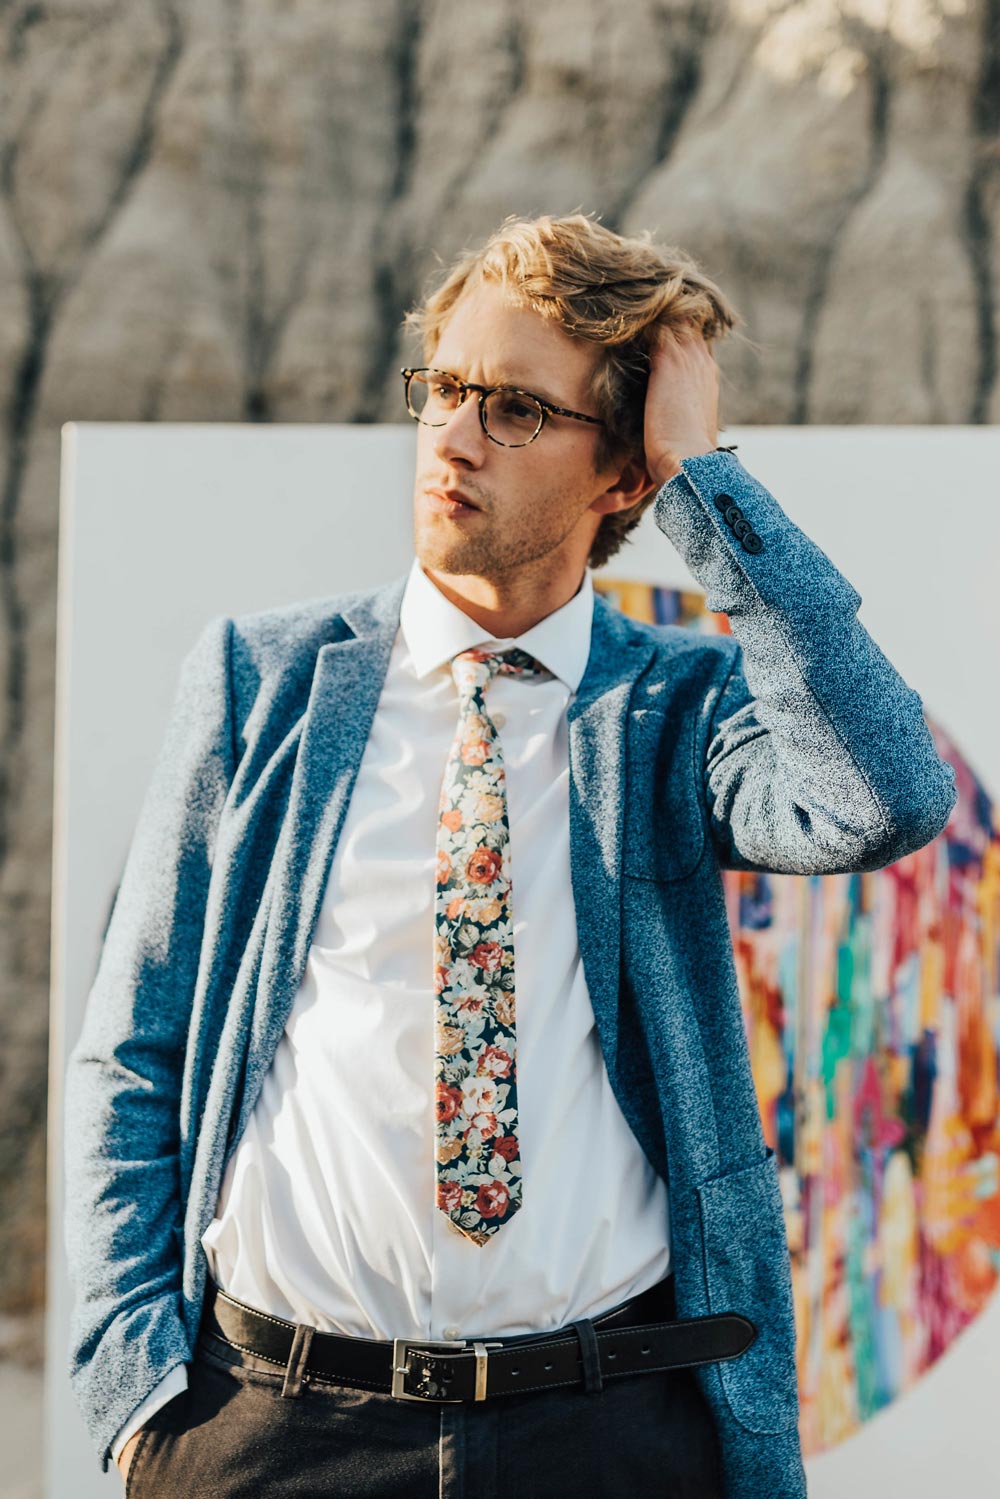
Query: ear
pixel 632 483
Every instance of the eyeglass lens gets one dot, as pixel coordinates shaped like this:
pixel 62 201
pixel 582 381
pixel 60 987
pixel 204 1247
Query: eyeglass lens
pixel 510 418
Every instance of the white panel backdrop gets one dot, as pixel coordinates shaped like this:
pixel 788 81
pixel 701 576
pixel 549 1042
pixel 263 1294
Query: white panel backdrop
pixel 163 527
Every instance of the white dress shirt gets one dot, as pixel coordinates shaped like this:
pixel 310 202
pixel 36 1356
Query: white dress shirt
pixel 326 1213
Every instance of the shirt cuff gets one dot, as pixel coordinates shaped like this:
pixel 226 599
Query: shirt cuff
pixel 170 1385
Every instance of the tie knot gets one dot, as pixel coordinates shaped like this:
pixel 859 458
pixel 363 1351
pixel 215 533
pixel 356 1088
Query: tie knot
pixel 474 668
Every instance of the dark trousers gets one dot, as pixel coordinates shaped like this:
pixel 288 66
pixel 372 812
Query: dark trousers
pixel 232 1433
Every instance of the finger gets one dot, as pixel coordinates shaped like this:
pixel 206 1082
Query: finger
pixel 673 343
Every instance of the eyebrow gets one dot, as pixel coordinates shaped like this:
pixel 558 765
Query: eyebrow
pixel 533 390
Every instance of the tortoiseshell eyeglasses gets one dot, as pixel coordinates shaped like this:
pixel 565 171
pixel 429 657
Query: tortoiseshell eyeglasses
pixel 509 416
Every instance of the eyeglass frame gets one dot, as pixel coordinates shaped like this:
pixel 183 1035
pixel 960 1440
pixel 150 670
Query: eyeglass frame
pixel 547 407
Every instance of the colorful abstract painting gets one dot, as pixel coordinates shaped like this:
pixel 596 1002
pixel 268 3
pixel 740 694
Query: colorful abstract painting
pixel 872 1007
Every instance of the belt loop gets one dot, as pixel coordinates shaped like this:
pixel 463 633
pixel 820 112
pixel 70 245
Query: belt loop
pixel 590 1356
pixel 297 1359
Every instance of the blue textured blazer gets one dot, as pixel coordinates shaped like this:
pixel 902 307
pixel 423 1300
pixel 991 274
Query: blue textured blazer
pixel 792 746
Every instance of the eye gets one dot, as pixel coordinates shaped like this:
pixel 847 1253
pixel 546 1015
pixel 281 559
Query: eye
pixel 510 404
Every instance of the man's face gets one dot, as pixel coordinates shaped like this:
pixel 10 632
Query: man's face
pixel 531 502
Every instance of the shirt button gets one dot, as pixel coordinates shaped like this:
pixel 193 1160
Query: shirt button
pixel 499 719
pixel 451 1333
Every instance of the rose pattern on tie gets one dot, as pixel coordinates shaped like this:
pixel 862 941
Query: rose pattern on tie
pixel 479 1186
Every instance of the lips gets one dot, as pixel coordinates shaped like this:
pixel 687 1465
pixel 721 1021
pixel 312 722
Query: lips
pixel 455 495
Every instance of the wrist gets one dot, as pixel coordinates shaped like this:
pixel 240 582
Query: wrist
pixel 668 465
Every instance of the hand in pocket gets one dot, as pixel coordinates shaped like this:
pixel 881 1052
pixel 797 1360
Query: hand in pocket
pixel 125 1455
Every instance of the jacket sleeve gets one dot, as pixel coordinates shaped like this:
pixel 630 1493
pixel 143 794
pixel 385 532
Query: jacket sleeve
pixel 124 1075
pixel 819 759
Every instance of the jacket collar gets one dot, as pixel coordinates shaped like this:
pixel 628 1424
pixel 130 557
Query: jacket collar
pixel 374 617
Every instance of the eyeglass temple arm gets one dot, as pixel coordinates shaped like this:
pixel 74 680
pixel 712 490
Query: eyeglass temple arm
pixel 577 416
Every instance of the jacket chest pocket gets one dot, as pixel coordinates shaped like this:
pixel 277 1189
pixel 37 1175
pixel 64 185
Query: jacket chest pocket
pixel 664 832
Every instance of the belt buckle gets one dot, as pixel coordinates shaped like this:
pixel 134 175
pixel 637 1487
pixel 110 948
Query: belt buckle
pixel 400 1348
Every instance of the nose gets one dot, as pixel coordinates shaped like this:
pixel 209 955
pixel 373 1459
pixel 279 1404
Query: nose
pixel 462 436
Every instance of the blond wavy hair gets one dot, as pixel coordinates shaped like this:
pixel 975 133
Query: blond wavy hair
pixel 614 290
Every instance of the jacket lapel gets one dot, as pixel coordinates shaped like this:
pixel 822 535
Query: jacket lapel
pixel 346 685
pixel 598 720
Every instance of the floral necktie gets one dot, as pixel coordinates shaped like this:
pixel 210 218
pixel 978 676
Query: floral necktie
pixel 476 1146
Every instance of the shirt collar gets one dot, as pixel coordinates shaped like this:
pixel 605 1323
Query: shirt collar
pixel 435 630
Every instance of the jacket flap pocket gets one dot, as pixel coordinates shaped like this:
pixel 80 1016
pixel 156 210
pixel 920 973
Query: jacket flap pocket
pixel 748 1271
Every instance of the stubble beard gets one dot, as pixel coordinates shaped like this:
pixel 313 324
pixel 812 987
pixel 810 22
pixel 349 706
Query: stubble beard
pixel 484 556
pixel 492 551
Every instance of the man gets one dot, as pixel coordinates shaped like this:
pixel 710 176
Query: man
pixel 417 1017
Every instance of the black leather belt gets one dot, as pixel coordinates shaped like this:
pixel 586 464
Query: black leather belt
pixel 620 1343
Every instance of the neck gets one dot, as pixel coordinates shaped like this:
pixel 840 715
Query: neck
pixel 506 611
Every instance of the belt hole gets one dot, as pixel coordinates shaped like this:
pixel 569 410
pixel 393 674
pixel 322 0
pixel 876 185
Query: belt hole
pixel 515 1371
pixel 612 1355
pixel 548 1366
pixel 644 1350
